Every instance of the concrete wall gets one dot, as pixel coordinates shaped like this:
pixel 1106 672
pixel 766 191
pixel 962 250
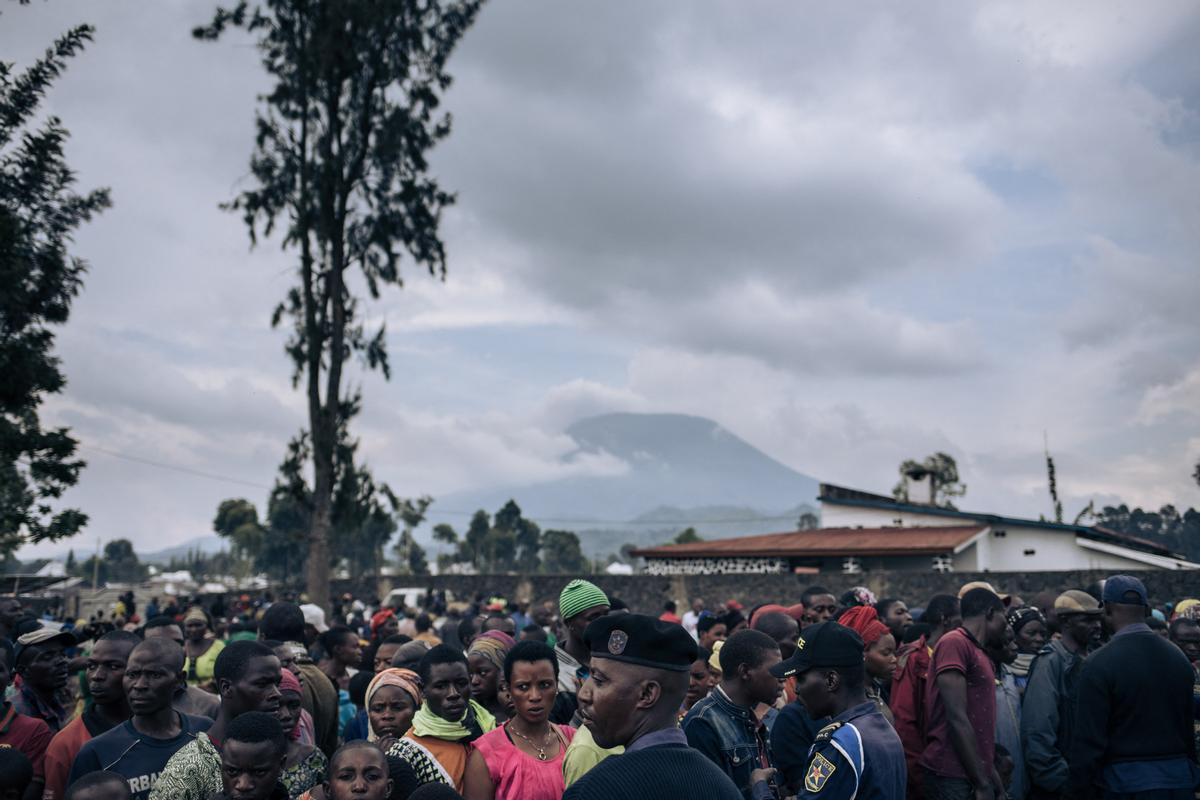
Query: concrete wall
pixel 646 593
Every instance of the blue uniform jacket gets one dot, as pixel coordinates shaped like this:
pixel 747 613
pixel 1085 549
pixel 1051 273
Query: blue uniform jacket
pixel 857 757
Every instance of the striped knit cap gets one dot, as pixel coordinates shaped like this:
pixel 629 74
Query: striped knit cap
pixel 580 595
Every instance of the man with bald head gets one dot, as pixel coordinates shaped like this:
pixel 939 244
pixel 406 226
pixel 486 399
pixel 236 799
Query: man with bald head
pixel 139 748
pixel 631 698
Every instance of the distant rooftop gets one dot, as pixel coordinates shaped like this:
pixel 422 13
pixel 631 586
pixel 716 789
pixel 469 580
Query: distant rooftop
pixel 827 542
pixel 841 495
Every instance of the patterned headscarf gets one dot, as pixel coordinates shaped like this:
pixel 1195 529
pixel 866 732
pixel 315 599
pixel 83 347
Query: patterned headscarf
pixel 864 620
pixel 406 679
pixel 493 646
pixel 195 612
pixel 1187 609
pixel 858 596
pixel 1020 617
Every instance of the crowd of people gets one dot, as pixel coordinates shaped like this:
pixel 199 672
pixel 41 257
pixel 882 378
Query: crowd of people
pixel 977 695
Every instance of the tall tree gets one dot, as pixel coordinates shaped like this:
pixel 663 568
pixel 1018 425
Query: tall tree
pixel 340 158
pixel 39 212
pixel 561 553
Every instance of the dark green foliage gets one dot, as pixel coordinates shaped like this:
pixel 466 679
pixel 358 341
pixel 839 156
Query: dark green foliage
pixel 118 564
pixel 561 553
pixel 942 469
pixel 366 514
pixel 39 211
pixel 1167 527
pixel 687 536
pixel 340 166
pixel 507 542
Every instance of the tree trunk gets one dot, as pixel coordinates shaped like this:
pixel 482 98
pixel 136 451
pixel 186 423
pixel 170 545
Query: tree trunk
pixel 317 573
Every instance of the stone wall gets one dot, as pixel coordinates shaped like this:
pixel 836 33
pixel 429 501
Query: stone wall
pixel 646 593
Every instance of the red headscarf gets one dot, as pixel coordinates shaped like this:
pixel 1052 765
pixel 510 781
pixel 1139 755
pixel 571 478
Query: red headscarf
pixel 865 621
pixel 380 618
pixel 770 608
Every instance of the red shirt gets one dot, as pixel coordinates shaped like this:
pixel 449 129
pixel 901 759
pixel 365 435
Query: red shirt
pixel 61 753
pixel 959 652
pixel 30 736
pixel 907 702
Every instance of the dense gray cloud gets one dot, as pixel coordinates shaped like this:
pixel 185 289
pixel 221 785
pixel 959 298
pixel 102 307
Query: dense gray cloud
pixel 850 234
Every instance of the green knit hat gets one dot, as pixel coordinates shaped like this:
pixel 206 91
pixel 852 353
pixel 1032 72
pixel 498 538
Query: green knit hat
pixel 580 595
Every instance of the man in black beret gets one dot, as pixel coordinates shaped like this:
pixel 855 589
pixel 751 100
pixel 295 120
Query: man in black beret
pixel 639 676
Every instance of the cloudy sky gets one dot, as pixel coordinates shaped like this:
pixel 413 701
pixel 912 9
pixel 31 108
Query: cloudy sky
pixel 849 233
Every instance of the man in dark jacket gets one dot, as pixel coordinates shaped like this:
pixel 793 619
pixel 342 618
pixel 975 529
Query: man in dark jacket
pixel 1048 709
pixel 722 725
pixel 1133 723
pixel 639 676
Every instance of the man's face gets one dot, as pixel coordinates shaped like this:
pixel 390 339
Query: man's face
pixel 45 667
pixel 249 770
pixel 578 623
pixel 762 685
pixel 814 687
pixel 697 606
pixel 287 659
pixel 360 773
pixel 448 690
pixel 106 671
pixel 149 682
pixel 1187 639
pixel 172 632
pixel 994 629
pixel 1082 629
pixel 820 608
pixel 898 618
pixel 787 639
pixel 713 635
pixel 349 651
pixel 606 701
pixel 10 611
pixel 698 681
pixel 384 656
pixel 256 690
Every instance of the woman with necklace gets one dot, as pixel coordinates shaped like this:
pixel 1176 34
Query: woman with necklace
pixel 523 759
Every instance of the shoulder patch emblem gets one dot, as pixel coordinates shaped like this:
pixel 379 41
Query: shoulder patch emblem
pixel 826 733
pixel 819 772
pixel 617 641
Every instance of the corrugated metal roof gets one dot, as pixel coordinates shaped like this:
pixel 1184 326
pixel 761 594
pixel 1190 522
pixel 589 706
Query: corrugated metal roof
pixel 931 540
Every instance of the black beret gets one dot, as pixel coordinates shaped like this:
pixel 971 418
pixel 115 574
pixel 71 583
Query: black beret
pixel 639 639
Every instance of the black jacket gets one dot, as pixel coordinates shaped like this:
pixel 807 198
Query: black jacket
pixel 1134 704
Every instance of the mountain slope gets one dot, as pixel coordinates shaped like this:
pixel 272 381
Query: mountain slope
pixel 680 470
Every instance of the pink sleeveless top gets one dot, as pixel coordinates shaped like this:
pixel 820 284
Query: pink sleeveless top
pixel 520 776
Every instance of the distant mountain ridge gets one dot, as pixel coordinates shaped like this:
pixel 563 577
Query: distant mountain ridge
pixel 681 471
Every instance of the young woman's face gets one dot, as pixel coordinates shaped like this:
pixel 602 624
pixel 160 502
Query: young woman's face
pixel 485 678
pixel 390 711
pixel 289 711
pixel 880 658
pixel 533 688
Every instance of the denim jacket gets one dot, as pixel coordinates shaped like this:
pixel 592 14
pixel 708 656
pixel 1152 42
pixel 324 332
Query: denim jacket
pixel 730 736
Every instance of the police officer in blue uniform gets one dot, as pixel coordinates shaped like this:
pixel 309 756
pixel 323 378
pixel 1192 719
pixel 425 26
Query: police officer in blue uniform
pixel 858 755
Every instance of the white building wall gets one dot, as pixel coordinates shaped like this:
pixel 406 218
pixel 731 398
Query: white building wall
pixel 834 515
pixel 1050 551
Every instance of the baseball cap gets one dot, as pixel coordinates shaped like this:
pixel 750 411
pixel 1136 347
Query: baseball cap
pixel 41 636
pixel 314 615
pixel 1074 601
pixel 826 644
pixel 1125 589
